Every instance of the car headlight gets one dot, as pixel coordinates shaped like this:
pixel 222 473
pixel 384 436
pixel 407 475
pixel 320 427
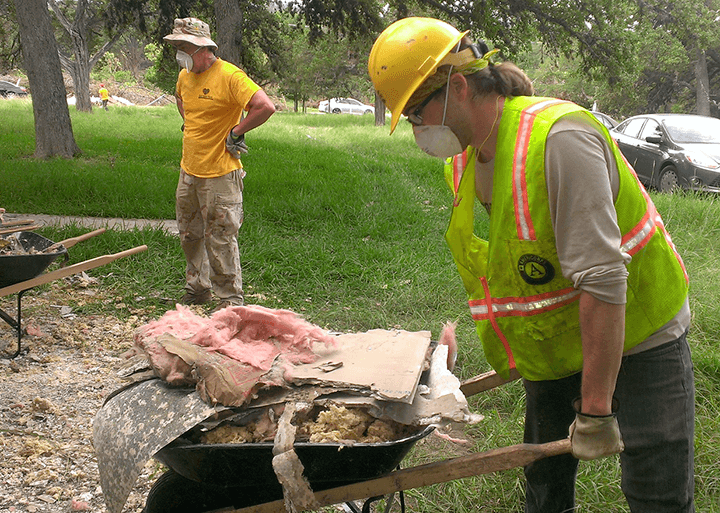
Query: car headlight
pixel 698 158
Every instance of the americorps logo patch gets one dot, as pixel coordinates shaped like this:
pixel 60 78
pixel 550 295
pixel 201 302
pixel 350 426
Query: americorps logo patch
pixel 535 269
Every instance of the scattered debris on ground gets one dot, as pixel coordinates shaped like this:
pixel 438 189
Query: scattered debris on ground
pixel 49 395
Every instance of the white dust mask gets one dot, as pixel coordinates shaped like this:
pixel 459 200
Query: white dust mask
pixel 185 60
pixel 437 140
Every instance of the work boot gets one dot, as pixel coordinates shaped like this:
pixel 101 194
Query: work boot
pixel 227 302
pixel 196 299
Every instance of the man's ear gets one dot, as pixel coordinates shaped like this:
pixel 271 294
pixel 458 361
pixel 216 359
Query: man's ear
pixel 459 86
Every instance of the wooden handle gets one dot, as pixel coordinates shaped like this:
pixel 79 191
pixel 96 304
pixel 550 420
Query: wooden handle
pixel 18 222
pixel 486 381
pixel 68 243
pixel 432 473
pixel 23 228
pixel 69 271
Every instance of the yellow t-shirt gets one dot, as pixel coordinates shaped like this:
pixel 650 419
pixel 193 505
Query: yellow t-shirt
pixel 104 94
pixel 213 102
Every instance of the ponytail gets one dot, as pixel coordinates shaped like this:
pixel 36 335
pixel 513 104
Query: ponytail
pixel 505 79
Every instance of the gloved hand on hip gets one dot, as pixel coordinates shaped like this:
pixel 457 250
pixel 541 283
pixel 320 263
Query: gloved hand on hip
pixel 594 436
pixel 235 144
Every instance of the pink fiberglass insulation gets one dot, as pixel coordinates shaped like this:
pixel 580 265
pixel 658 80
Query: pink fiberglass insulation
pixel 254 335
pixel 447 337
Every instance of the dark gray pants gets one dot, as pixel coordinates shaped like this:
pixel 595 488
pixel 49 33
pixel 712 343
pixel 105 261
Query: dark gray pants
pixel 656 396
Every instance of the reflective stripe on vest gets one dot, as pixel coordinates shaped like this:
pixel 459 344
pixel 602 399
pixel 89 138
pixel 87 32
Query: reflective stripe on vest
pixel 524 223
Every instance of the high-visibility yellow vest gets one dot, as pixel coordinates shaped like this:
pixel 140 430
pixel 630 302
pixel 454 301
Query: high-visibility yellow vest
pixel 526 313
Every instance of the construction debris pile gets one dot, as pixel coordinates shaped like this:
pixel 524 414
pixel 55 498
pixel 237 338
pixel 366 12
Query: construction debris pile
pixel 250 374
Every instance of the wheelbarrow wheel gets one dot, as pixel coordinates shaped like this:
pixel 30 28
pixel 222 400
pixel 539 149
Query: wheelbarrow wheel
pixel 173 493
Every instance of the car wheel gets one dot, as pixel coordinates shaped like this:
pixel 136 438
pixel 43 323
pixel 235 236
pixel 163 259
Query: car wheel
pixel 669 180
pixel 368 111
pixel 336 111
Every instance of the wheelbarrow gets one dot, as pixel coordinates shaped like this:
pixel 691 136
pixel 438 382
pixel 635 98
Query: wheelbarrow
pixel 209 474
pixel 21 272
pixel 208 477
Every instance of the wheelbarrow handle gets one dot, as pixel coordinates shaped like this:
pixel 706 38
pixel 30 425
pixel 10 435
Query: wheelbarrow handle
pixel 486 462
pixel 69 271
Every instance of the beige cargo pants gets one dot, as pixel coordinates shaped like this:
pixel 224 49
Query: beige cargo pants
pixel 209 213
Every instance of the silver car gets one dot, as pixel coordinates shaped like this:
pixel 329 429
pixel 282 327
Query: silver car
pixel 345 106
pixel 672 151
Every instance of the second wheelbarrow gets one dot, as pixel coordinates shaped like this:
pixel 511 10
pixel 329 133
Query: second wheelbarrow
pixel 22 270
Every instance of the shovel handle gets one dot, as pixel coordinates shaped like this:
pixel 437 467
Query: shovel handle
pixel 19 228
pixel 19 222
pixel 486 381
pixel 68 243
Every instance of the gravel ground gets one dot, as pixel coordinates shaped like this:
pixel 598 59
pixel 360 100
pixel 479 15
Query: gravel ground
pixel 49 395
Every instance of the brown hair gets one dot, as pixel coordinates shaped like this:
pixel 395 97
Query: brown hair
pixel 505 79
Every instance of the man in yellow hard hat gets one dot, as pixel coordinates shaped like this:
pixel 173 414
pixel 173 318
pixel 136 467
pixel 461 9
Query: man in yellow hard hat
pixel 578 287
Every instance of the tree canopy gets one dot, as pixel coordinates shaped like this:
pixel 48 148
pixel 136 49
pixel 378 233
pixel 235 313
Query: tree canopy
pixel 630 55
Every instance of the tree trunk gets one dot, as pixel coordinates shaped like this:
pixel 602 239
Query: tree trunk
pixel 81 74
pixel 53 128
pixel 379 111
pixel 229 18
pixel 80 31
pixel 702 84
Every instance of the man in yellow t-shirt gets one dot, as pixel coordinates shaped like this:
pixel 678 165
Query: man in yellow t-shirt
pixel 212 96
pixel 104 96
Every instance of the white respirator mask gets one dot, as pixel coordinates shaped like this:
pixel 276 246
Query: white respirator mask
pixel 437 140
pixel 185 60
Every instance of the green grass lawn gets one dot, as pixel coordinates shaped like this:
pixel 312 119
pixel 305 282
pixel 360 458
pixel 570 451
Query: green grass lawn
pixel 344 225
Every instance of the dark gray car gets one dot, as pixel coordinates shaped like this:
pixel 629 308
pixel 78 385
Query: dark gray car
pixel 670 151
pixel 10 90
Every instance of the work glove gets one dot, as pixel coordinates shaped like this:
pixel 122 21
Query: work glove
pixel 235 144
pixel 594 436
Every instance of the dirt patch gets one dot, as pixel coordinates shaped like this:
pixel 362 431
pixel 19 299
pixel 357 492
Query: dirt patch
pixel 49 395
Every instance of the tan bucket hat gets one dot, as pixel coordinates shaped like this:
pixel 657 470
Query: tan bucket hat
pixel 192 30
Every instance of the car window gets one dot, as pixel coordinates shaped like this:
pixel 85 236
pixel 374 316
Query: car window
pixel 633 126
pixel 354 102
pixel 652 127
pixel 694 129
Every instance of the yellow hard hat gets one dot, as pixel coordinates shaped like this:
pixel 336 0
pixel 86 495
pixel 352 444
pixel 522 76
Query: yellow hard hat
pixel 404 55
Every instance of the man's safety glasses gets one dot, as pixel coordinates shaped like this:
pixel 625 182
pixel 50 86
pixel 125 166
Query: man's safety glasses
pixel 415 118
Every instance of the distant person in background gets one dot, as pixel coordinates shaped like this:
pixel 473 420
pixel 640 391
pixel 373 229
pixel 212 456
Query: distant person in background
pixel 212 96
pixel 104 96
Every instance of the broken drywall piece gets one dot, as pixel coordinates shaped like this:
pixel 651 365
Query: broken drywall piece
pixel 386 364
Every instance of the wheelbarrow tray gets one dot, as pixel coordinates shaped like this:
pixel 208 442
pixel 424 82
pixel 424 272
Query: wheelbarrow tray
pixel 250 464
pixel 18 268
